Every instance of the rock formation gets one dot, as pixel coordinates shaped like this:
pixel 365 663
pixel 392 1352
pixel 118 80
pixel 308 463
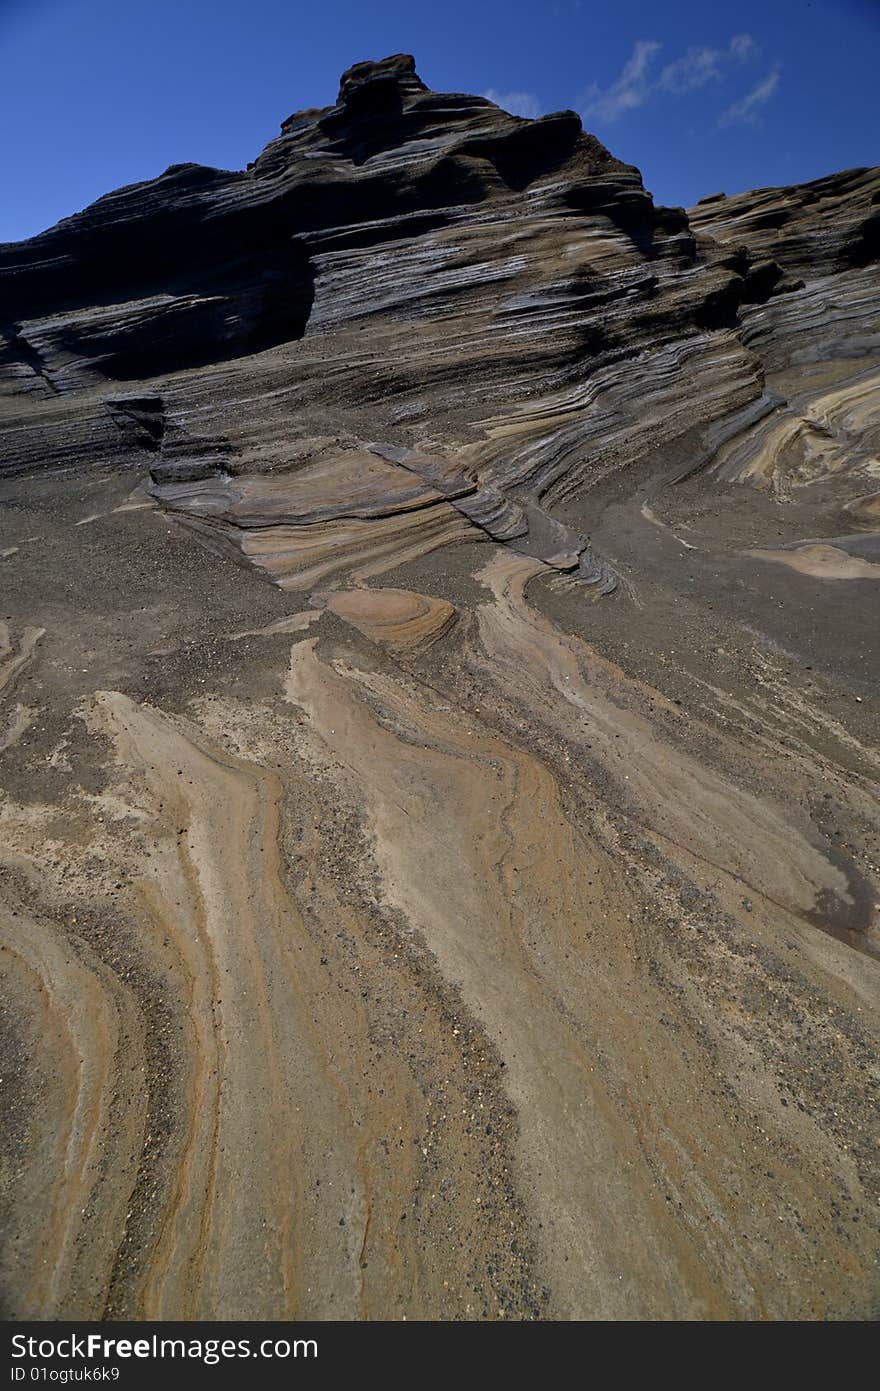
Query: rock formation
pixel 438 832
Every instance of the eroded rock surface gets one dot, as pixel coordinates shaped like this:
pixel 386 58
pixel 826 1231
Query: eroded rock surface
pixel 438 765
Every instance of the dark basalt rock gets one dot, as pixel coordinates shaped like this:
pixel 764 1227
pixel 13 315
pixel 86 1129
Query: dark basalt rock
pixel 375 85
pixel 140 420
pixel 405 246
pixel 809 229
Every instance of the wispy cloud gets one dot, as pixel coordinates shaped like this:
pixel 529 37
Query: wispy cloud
pixel 517 103
pixel 641 79
pixel 748 110
pixel 697 67
pixel 630 89
pixel 743 46
pixel 644 78
pixel 704 64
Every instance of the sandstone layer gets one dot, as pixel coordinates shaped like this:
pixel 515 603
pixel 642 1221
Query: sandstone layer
pixel 438 765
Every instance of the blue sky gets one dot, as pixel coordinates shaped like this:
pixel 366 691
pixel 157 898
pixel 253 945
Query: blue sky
pixel 703 96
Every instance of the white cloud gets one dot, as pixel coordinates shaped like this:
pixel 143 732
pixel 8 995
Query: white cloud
pixel 639 80
pixel 630 89
pixel 517 103
pixel 743 46
pixel 747 111
pixel 702 64
pixel 697 67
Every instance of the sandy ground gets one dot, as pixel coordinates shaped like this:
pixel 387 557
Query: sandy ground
pixel 452 945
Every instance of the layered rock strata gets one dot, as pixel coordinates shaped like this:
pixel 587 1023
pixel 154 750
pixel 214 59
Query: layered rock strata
pixel 438 749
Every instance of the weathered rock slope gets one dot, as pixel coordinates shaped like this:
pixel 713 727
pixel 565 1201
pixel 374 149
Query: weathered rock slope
pixel 438 768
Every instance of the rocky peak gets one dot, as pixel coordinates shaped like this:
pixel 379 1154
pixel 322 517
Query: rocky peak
pixel 429 223
pixel 380 85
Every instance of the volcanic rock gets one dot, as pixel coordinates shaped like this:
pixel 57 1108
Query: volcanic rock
pixel 438 768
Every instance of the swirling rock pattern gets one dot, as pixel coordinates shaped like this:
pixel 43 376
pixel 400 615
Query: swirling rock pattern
pixel 438 768
pixel 393 616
